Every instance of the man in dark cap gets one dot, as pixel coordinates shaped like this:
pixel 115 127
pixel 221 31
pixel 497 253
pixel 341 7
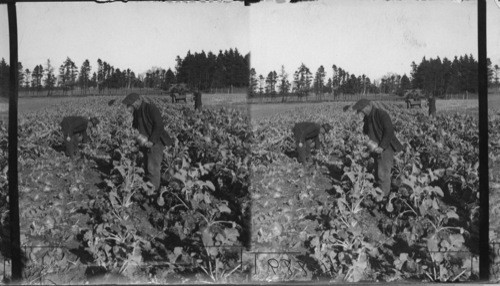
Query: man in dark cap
pixel 378 127
pixel 147 120
pixel 303 132
pixel 74 129
pixel 197 99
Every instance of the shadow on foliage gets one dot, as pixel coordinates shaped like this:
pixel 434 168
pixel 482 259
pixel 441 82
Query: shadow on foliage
pixel 334 172
pixel 319 273
pixel 58 147
pixel 465 201
pixel 238 198
pixel 291 153
pixel 102 165
pixel 83 255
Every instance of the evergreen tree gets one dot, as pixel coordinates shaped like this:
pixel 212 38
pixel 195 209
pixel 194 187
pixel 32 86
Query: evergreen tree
pixel 84 77
pixel 261 84
pixel 67 74
pixel 50 78
pixel 4 78
pixel 302 80
pixel 27 78
pixel 438 77
pixel 284 84
pixel 201 70
pixel 20 75
pixel 271 80
pixel 496 71
pixel 100 75
pixel 405 84
pixel 490 71
pixel 36 77
pixel 319 80
pixel 253 82
pixel 335 77
pixel 329 86
pixel 93 80
pixel 170 79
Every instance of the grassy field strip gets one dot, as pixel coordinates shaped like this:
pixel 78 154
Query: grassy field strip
pixel 221 98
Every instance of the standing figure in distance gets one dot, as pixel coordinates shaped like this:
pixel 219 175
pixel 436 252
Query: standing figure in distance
pixel 303 132
pixel 378 126
pixel 147 120
pixel 197 99
pixel 74 129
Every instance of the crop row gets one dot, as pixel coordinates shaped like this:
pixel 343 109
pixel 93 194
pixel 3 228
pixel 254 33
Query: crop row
pixel 100 207
pixel 425 230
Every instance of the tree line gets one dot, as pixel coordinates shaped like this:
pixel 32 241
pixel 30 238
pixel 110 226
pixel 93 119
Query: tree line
pixel 198 70
pixel 203 71
pixel 434 76
pixel 304 82
pixel 438 77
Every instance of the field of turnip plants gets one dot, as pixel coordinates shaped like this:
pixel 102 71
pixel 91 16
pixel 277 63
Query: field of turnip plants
pixel 326 221
pixel 235 205
pixel 95 218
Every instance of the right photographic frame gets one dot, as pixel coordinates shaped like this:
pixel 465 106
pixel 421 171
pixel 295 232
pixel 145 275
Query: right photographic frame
pixel 366 154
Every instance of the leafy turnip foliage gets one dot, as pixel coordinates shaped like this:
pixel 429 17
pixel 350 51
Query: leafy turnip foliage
pixel 326 221
pixel 116 222
pixel 425 230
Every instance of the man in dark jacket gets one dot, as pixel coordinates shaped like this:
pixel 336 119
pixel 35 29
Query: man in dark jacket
pixel 197 99
pixel 303 132
pixel 74 129
pixel 378 127
pixel 147 120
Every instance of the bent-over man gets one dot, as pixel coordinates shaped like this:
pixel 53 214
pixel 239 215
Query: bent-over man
pixel 378 126
pixel 303 133
pixel 74 129
pixel 147 120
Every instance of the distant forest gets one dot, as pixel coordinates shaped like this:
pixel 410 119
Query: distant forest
pixel 199 70
pixel 434 76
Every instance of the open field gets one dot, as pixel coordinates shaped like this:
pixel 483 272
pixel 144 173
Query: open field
pixel 257 110
pixel 30 104
pixel 323 222
pixel 449 106
pixel 95 219
pixel 327 211
pixel 35 103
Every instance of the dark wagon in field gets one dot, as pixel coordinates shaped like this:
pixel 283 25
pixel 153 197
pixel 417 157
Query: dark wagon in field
pixel 178 92
pixel 176 97
pixel 414 97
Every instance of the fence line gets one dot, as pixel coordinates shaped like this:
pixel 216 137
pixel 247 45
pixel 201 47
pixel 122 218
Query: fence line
pixel 293 98
pixel 88 92
pixel 112 91
pixel 228 90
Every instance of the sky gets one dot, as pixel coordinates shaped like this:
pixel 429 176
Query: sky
pixel 131 35
pixel 366 36
pixel 371 37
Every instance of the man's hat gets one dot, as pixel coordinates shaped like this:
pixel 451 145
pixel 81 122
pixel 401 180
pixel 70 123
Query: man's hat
pixel 130 99
pixel 362 103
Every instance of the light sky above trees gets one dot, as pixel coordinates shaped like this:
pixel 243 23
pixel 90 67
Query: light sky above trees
pixel 125 35
pixel 371 37
pixel 366 37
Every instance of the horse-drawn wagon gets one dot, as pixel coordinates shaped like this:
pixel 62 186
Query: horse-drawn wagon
pixel 414 97
pixel 178 92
